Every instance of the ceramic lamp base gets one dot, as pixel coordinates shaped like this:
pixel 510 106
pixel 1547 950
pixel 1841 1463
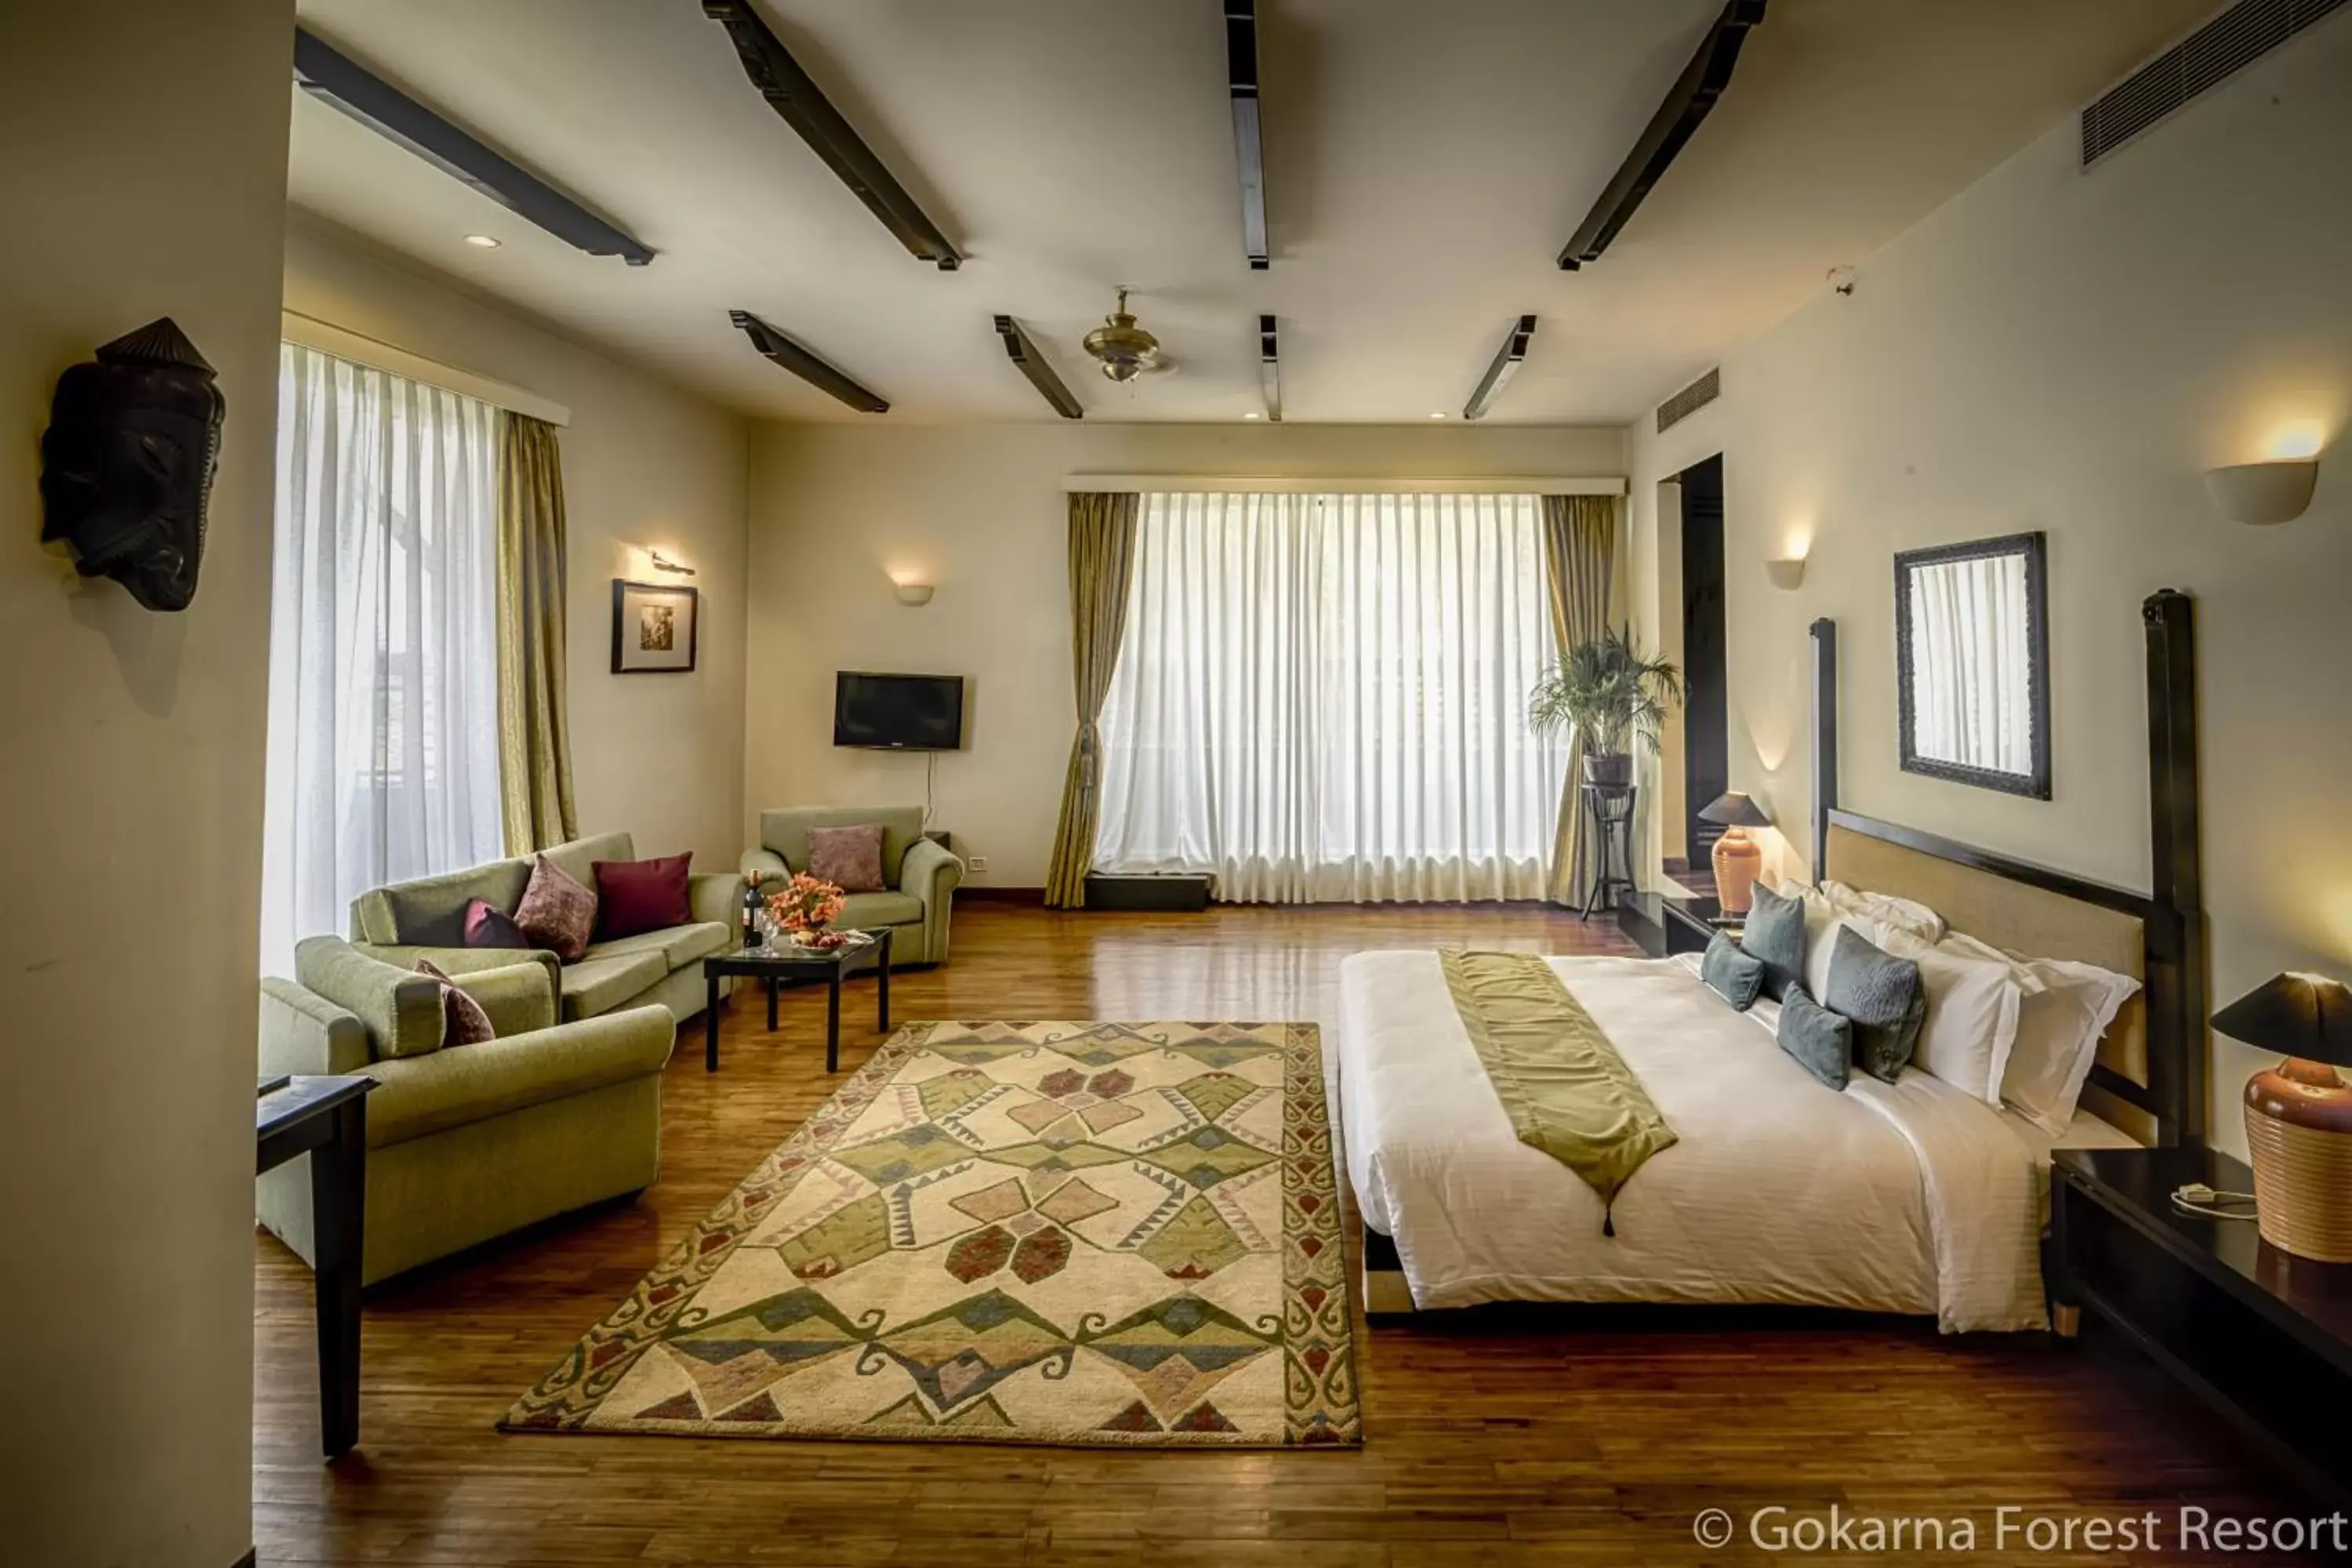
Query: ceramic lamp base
pixel 1736 861
pixel 2299 1131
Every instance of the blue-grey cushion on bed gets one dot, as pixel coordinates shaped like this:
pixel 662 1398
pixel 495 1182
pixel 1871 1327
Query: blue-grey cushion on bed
pixel 1883 995
pixel 1731 974
pixel 1821 1041
pixel 1775 933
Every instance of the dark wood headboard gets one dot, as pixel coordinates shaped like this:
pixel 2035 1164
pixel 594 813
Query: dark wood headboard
pixel 2155 1059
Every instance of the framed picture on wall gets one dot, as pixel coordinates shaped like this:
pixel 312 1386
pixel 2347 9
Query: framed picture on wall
pixel 654 628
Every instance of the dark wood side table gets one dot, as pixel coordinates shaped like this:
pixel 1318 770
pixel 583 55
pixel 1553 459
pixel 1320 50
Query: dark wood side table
pixel 2263 1336
pixel 779 964
pixel 326 1118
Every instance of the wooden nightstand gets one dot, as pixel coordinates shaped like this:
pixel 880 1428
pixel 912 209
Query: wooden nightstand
pixel 1664 925
pixel 2263 1336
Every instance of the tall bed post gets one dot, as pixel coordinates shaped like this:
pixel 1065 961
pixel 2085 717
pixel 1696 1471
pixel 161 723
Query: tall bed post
pixel 1825 740
pixel 2180 1055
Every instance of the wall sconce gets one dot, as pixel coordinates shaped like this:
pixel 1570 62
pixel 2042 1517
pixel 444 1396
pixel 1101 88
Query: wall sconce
pixel 663 564
pixel 915 594
pixel 1788 574
pixel 2263 493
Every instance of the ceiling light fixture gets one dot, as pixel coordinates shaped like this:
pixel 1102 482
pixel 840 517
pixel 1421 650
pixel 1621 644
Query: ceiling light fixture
pixel 343 83
pixel 1249 131
pixel 1025 353
pixel 1253 414
pixel 793 357
pixel 1122 348
pixel 1507 364
pixel 483 241
pixel 1437 413
pixel 1270 368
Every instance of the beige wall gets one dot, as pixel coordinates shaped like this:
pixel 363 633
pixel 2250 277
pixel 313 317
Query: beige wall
pixel 133 771
pixel 979 511
pixel 2066 351
pixel 645 464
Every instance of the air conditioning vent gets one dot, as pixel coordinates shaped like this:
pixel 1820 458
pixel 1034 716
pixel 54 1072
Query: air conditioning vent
pixel 2205 58
pixel 1690 400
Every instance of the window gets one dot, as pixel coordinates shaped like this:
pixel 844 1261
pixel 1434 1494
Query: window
pixel 1323 697
pixel 384 740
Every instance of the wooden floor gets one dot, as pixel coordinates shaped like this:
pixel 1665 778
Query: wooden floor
pixel 1549 1438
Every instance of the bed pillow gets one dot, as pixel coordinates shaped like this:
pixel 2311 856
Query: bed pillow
pixel 1883 996
pixel 1817 1039
pixel 1906 915
pixel 1734 975
pixel 1822 921
pixel 2058 1032
pixel 1970 1024
pixel 1775 934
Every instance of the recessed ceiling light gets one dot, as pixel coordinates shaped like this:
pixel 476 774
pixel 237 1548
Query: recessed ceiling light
pixel 484 240
pixel 1439 415
pixel 1251 415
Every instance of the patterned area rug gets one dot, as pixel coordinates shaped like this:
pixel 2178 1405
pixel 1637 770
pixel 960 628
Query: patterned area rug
pixel 1075 1233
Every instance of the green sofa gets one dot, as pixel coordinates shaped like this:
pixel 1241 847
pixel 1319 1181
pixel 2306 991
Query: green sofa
pixel 425 918
pixel 465 1143
pixel 919 876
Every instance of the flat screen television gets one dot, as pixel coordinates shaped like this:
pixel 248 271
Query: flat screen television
pixel 897 712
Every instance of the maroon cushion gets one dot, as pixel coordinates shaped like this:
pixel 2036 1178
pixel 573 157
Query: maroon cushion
pixel 465 1022
pixel 633 895
pixel 487 925
pixel 556 912
pixel 848 857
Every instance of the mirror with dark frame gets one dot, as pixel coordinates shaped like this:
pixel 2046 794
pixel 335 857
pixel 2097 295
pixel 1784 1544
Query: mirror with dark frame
pixel 1973 654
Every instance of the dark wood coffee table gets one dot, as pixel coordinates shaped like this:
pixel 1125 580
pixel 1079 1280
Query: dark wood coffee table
pixel 783 962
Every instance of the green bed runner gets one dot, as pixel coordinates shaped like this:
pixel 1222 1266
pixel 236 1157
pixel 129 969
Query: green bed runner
pixel 1567 1091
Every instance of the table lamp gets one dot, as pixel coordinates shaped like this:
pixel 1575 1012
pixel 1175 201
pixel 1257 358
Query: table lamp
pixel 2299 1113
pixel 1737 856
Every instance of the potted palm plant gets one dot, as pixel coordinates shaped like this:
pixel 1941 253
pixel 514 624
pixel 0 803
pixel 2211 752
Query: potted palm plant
pixel 1610 694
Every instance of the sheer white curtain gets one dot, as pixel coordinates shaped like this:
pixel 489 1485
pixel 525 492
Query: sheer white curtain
pixel 1971 689
pixel 383 739
pixel 1323 697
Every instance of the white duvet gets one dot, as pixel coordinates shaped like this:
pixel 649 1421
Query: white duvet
pixel 1912 1197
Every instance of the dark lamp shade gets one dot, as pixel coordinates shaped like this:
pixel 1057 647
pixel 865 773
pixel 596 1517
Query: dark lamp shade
pixel 1735 810
pixel 2306 1015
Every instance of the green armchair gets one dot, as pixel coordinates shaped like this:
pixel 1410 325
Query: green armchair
pixel 919 876
pixel 465 1143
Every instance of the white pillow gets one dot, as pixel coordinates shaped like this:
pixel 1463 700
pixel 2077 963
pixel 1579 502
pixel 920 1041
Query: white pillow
pixel 1973 1007
pixel 1822 921
pixel 1906 915
pixel 2058 1035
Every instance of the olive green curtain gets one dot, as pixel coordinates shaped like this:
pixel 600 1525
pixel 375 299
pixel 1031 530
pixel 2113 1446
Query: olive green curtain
pixel 1102 559
pixel 534 737
pixel 1579 540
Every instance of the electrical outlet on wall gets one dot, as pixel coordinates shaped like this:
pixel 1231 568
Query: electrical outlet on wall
pixel 978 863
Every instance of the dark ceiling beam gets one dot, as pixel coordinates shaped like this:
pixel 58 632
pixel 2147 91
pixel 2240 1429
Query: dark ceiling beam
pixel 1270 368
pixel 336 79
pixel 791 94
pixel 1678 118
pixel 1507 364
pixel 1025 353
pixel 1249 140
pixel 806 365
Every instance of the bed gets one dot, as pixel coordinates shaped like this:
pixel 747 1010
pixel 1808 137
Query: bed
pixel 1912 1197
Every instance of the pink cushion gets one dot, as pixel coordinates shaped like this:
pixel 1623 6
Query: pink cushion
pixel 556 912
pixel 848 857
pixel 633 895
pixel 466 1024
pixel 487 925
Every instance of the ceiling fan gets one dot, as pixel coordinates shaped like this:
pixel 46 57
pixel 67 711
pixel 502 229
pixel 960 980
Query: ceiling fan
pixel 1124 351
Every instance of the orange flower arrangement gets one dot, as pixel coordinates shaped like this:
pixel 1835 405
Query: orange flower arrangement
pixel 805 906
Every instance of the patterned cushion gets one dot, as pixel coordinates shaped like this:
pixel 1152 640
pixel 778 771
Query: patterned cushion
pixel 487 925
pixel 557 912
pixel 1819 1041
pixel 848 857
pixel 1882 994
pixel 467 1024
pixel 1731 974
pixel 1775 933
